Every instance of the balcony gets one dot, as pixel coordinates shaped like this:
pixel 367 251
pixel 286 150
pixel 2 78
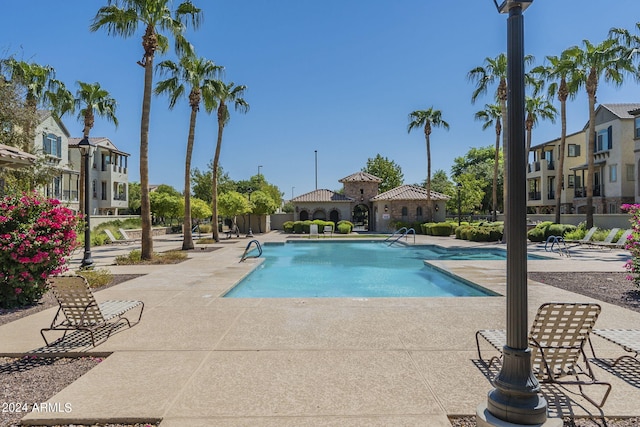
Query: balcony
pixel 71 196
pixel 598 191
pixel 551 195
pixel 535 195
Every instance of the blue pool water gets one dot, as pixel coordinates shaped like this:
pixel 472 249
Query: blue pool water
pixel 357 269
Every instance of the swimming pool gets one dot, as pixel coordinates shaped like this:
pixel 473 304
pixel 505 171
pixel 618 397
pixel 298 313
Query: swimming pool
pixel 357 269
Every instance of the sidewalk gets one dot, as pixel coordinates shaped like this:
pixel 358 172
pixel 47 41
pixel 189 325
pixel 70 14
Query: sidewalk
pixel 198 359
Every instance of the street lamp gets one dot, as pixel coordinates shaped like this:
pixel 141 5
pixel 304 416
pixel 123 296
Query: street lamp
pixel 259 166
pixel 250 233
pixel 459 185
pixel 85 151
pixel 515 398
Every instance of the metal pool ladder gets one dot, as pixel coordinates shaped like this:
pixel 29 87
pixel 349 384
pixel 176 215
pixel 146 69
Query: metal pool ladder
pixel 404 234
pixel 246 250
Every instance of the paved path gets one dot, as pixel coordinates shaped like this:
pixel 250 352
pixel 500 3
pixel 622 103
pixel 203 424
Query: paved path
pixel 197 359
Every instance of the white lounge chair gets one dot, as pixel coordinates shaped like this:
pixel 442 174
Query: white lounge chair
pixel 125 236
pixel 587 237
pixel 313 231
pixel 113 239
pixel 628 339
pixel 622 241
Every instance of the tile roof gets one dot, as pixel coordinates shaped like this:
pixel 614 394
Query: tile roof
pixel 11 156
pixel 322 196
pixel 409 192
pixel 621 110
pixel 360 177
pixel 101 141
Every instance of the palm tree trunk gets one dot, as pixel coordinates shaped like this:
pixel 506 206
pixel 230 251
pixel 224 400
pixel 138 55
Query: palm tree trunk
pixel 592 85
pixel 145 205
pixel 496 165
pixel 560 169
pixel 187 240
pixel 214 186
pixel 429 178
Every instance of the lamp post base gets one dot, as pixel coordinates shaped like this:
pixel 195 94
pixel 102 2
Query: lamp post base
pixel 484 418
pixel 87 261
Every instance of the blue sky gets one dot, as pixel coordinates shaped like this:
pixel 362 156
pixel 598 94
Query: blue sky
pixel 335 76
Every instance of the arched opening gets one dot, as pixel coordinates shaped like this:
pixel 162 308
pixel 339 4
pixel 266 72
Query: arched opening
pixel 304 215
pixel 334 216
pixel 361 217
pixel 320 214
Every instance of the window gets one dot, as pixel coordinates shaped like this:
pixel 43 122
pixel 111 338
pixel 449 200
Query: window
pixel 637 126
pixel 631 172
pixel 52 145
pixel 603 139
pixel 572 181
pixel 613 173
pixel 104 190
pixel 94 184
pixel 405 211
pixel 573 150
pixel 419 211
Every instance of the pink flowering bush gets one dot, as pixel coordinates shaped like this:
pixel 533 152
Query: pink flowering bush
pixel 36 236
pixel 633 243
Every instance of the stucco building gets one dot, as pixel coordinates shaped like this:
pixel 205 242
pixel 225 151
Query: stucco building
pixel 361 203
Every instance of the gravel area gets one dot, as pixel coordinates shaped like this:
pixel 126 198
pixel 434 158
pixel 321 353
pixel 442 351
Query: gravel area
pixel 35 380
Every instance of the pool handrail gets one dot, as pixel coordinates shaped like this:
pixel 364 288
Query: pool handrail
pixel 407 231
pixel 246 250
pixel 396 232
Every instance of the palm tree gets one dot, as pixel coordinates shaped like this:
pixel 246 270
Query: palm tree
pixel 90 99
pixel 122 18
pixel 559 72
pixel 195 75
pixel 492 114
pixel 37 80
pixel 537 108
pixel 226 93
pixel 631 42
pixel 495 70
pixel 426 119
pixel 604 60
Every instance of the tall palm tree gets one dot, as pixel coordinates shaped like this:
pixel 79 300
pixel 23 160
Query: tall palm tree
pixel 37 80
pixel 494 71
pixel 90 99
pixel 226 93
pixel 427 119
pixel 559 73
pixel 195 75
pixel 122 18
pixel 537 108
pixel 492 116
pixel 629 41
pixel 605 60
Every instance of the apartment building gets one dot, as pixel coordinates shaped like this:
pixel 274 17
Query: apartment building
pixel 636 137
pixel 108 171
pixel 614 159
pixel 542 173
pixel 108 175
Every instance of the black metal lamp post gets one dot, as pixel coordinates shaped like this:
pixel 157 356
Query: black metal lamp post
pixel 250 233
pixel 515 398
pixel 85 151
pixel 459 186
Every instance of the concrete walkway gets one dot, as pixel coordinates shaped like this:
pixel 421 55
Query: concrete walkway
pixel 200 360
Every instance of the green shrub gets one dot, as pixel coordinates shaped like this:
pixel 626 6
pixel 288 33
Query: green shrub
pixel 205 228
pixel 97 278
pixel 344 228
pixel 440 229
pixel 297 227
pixel 288 226
pixel 536 234
pixel 99 239
pixel 479 234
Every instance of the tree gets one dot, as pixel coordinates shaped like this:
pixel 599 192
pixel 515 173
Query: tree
pixel 471 194
pixel 232 204
pixel 263 204
pixel 426 119
pixel 441 184
pixel 203 181
pixel 479 162
pixel 195 75
pixel 495 70
pixel 122 18
pixel 199 209
pixel 37 81
pixel 166 205
pixel 604 60
pixel 385 169
pixel 225 93
pixel 559 74
pixel 537 108
pixel 134 198
pixel 90 100
pixel 629 42
pixel 492 114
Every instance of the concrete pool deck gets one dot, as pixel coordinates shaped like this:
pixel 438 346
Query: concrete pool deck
pixel 199 360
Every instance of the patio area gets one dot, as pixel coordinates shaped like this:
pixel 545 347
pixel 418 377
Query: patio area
pixel 197 359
